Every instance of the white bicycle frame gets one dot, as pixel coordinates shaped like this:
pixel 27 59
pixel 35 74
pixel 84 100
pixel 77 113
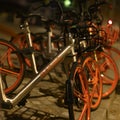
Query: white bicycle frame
pixel 9 103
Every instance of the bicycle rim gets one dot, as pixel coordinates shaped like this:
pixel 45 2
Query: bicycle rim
pixel 11 66
pixel 79 108
pixel 94 81
pixel 109 73
pixel 115 54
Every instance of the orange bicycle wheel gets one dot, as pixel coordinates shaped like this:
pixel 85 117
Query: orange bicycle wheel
pixel 12 66
pixel 77 94
pixel 109 72
pixel 115 54
pixel 94 81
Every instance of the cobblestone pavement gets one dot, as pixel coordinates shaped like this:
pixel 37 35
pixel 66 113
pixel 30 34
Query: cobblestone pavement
pixel 114 109
pixel 43 102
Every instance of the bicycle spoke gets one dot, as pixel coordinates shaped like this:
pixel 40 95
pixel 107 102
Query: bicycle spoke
pixel 9 71
pixel 106 80
pixel 11 66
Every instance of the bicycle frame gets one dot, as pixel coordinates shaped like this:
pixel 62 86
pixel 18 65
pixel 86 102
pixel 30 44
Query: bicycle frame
pixel 11 102
pixel 30 42
pixel 28 34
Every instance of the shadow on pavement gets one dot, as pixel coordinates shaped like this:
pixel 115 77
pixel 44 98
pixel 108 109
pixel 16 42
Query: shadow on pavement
pixel 26 113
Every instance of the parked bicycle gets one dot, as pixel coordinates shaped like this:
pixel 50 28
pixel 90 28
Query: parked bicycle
pixel 81 81
pixel 84 84
pixel 109 75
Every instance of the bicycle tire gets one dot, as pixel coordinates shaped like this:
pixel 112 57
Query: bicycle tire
pixel 94 81
pixel 115 54
pixel 109 72
pixel 12 66
pixel 77 94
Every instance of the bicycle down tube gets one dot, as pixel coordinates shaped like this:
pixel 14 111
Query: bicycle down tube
pixel 11 102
